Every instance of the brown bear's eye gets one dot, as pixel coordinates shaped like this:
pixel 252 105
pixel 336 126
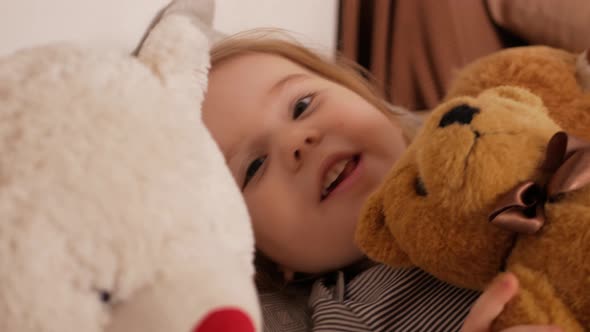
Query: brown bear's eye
pixel 419 187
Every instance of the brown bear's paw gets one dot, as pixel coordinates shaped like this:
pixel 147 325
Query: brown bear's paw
pixel 583 70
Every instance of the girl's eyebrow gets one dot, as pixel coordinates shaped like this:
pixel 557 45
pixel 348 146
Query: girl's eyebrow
pixel 289 79
pixel 235 154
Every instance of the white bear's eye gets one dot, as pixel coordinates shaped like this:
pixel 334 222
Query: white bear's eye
pixel 105 296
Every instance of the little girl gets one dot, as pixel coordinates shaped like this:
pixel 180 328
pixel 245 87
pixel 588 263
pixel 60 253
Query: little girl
pixel 307 140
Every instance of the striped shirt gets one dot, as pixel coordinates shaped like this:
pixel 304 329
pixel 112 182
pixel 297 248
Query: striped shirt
pixel 388 299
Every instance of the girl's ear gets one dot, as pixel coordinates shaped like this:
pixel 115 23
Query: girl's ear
pixel 373 236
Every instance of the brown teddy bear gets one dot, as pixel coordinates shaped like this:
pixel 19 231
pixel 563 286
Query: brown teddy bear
pixel 492 183
pixel 561 79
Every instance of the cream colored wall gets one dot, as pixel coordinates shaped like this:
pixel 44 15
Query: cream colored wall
pixel 118 23
pixel 121 23
pixel 312 21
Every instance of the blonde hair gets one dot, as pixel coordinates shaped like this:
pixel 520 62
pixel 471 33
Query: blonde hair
pixel 339 70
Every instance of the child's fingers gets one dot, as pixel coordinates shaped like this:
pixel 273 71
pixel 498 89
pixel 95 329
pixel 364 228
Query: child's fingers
pixel 491 303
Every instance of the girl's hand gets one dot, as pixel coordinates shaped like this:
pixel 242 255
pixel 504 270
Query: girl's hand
pixel 491 303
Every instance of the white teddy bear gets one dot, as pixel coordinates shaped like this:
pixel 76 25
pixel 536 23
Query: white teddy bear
pixel 117 210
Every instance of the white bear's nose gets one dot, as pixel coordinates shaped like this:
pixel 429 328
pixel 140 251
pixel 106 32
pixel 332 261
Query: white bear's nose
pixel 226 320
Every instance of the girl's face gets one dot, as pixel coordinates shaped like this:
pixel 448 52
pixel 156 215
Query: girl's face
pixel 306 152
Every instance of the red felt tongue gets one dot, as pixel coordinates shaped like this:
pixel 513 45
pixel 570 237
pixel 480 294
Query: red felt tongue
pixel 226 320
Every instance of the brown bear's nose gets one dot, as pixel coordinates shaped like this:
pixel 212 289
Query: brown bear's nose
pixel 462 114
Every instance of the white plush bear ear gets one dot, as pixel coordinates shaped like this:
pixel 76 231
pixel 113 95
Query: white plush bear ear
pixel 176 48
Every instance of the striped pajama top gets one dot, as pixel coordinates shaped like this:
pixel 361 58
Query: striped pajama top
pixel 382 298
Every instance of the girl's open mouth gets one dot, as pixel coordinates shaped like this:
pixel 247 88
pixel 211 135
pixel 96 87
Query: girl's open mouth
pixel 337 174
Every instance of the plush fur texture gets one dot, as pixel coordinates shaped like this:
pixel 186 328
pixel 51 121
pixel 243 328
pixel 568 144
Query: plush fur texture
pixel 118 212
pixel 561 79
pixel 465 168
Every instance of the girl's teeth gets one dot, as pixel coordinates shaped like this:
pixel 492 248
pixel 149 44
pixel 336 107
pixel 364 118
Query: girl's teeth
pixel 333 173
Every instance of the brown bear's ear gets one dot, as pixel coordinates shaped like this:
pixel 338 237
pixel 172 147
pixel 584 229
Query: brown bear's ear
pixel 373 236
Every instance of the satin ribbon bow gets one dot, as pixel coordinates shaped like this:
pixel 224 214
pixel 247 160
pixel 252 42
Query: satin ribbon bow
pixel 522 209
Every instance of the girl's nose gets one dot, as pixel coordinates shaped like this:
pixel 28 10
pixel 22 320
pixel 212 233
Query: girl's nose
pixel 297 144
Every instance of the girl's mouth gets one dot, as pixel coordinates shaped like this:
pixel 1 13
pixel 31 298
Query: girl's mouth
pixel 338 173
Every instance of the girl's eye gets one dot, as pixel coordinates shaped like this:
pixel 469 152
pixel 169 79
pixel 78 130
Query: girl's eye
pixel 301 105
pixel 252 169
